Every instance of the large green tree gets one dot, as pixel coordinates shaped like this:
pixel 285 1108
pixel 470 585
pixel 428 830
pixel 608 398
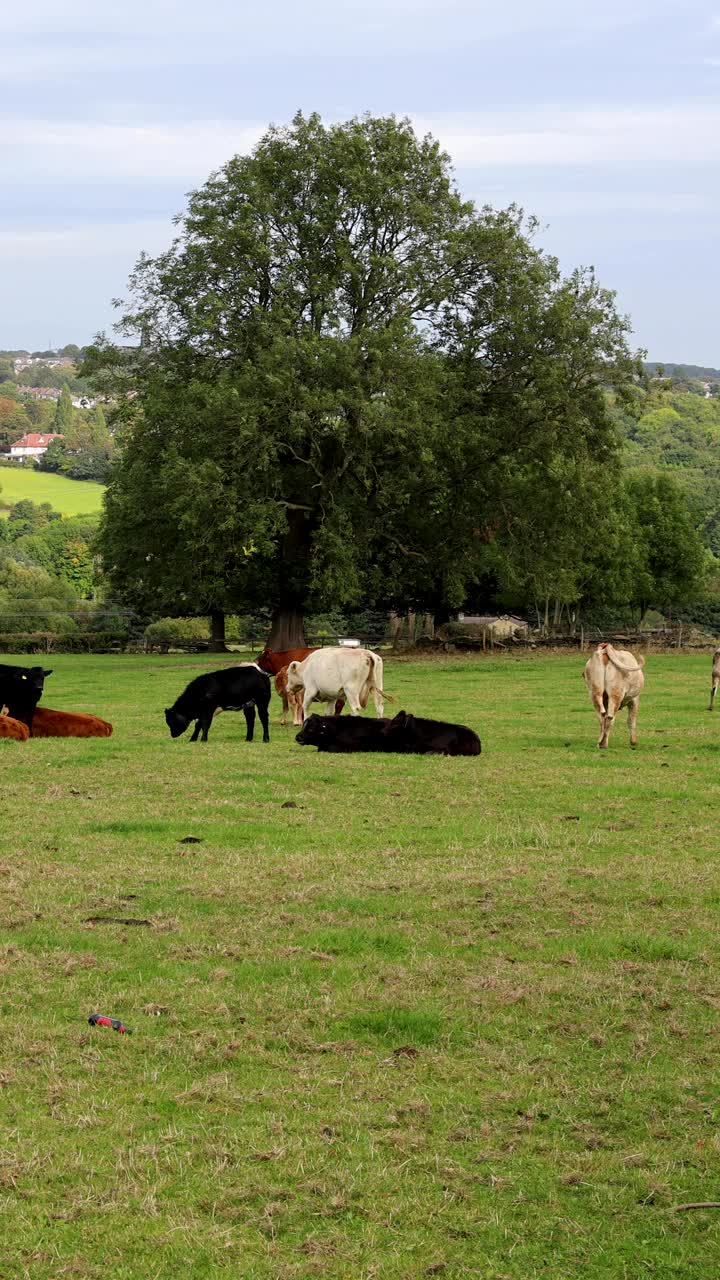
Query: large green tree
pixel 343 366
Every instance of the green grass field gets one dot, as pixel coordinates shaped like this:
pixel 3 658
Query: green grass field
pixel 71 497
pixel 450 1018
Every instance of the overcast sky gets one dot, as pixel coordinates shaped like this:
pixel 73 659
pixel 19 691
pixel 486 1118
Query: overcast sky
pixel 602 119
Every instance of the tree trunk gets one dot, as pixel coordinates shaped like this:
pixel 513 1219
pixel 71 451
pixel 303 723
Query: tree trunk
pixel 287 631
pixel 217 631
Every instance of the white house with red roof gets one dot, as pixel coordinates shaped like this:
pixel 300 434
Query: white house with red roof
pixel 34 444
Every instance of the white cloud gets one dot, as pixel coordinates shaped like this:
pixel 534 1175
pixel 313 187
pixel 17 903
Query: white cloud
pixel 177 28
pixel 615 138
pixel 562 204
pixel 548 138
pixel 123 239
pixel 43 150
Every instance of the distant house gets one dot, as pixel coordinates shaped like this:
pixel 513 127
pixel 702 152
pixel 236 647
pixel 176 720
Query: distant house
pixel 52 362
pixel 505 627
pixel 39 393
pixel 34 444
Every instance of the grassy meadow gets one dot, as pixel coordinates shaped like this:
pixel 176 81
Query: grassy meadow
pixel 70 497
pixel 440 1018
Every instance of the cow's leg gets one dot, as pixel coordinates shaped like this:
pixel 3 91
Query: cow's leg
pixel 633 705
pixel 204 722
pixel 297 717
pixel 353 703
pixel 598 701
pixel 196 730
pixel 378 700
pixel 713 691
pixel 283 717
pixel 613 703
pixel 308 698
pixel 263 714
pixel 249 713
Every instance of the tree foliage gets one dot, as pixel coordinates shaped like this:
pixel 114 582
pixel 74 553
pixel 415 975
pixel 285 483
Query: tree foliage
pixel 349 378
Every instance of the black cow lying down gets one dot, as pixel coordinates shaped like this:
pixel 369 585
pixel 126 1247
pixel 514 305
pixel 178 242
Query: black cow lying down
pixel 241 688
pixel 21 690
pixel 407 735
pixel 338 733
pixel 423 737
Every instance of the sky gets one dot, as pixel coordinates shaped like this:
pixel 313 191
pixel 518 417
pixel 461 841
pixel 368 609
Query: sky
pixel 602 120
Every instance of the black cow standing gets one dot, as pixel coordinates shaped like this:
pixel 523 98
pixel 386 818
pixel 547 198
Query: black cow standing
pixel 241 688
pixel 20 690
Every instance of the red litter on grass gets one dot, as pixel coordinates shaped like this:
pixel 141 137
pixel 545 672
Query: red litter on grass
pixel 99 1020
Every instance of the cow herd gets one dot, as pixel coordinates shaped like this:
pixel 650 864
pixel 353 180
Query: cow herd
pixel 331 677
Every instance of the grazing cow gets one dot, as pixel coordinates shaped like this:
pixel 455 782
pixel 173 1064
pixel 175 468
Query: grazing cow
pixel 349 733
pixel 10 728
pixel 416 736
pixel 21 690
pixel 68 724
pixel 291 701
pixel 241 688
pixel 327 673
pixel 614 679
pixel 715 677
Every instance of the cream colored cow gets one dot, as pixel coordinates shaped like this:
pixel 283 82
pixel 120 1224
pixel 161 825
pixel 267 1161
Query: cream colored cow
pixel 328 674
pixel 614 679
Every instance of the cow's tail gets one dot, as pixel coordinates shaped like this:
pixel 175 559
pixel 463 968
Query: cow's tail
pixel 626 671
pixel 373 681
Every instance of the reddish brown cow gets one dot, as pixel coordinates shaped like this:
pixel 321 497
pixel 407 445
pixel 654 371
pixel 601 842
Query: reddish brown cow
pixel 68 724
pixel 291 701
pixel 10 728
pixel 273 662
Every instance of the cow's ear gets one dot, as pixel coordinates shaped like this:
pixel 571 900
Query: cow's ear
pixel 47 673
pixel 400 718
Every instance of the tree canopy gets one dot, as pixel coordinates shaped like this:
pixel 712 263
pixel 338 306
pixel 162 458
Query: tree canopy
pixel 349 380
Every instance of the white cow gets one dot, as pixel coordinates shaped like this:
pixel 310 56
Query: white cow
pixel 328 673
pixel 615 680
pixel 715 677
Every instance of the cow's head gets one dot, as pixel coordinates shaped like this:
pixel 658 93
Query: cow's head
pixel 313 732
pixel 34 677
pixel 176 722
pixel 263 661
pixel 397 728
pixel 294 677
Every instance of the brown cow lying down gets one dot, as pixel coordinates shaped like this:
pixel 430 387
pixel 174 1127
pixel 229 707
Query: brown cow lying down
pixel 68 724
pixel 10 728
pixel 614 678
